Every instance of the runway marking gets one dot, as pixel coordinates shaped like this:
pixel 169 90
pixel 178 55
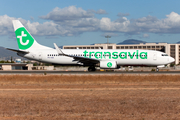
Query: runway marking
pixel 89 89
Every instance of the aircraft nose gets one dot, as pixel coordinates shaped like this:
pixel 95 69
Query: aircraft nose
pixel 171 59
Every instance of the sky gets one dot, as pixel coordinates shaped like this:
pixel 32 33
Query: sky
pixel 84 22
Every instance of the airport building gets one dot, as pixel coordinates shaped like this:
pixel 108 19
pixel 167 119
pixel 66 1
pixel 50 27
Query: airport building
pixel 15 66
pixel 172 50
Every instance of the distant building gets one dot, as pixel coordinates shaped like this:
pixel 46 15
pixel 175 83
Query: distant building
pixel 15 66
pixel 18 60
pixel 172 50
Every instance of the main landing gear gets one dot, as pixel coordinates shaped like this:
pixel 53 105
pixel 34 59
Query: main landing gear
pixel 91 68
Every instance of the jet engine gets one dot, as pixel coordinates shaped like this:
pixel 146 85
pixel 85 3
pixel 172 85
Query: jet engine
pixel 108 64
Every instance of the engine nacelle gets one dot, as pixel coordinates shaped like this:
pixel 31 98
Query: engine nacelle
pixel 108 64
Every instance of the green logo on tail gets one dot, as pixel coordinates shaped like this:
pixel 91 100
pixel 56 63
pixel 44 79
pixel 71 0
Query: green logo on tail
pixel 24 39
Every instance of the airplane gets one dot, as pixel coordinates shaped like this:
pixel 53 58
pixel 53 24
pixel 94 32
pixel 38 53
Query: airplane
pixel 104 58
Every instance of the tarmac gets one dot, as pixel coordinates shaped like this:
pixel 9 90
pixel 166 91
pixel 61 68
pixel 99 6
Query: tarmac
pixel 45 72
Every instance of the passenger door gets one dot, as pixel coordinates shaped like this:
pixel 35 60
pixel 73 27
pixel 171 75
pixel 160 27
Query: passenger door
pixel 154 56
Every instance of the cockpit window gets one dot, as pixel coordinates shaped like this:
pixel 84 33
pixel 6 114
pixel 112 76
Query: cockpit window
pixel 164 55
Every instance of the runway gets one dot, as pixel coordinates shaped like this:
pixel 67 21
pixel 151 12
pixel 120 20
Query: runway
pixel 45 72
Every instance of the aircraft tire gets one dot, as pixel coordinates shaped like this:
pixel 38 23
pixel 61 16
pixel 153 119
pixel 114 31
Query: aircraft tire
pixel 91 68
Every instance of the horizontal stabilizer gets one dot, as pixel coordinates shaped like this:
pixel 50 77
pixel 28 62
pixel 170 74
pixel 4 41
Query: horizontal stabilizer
pixel 18 51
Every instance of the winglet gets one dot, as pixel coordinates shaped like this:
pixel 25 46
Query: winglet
pixel 59 51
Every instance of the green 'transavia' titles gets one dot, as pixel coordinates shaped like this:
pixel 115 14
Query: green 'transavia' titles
pixel 116 55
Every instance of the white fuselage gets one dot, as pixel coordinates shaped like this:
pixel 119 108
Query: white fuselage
pixel 106 58
pixel 122 57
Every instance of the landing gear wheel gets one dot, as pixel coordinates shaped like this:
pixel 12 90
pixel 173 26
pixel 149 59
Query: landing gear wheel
pixel 91 68
pixel 157 69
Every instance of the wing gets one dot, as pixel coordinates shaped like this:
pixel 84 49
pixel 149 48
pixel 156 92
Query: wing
pixel 77 58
